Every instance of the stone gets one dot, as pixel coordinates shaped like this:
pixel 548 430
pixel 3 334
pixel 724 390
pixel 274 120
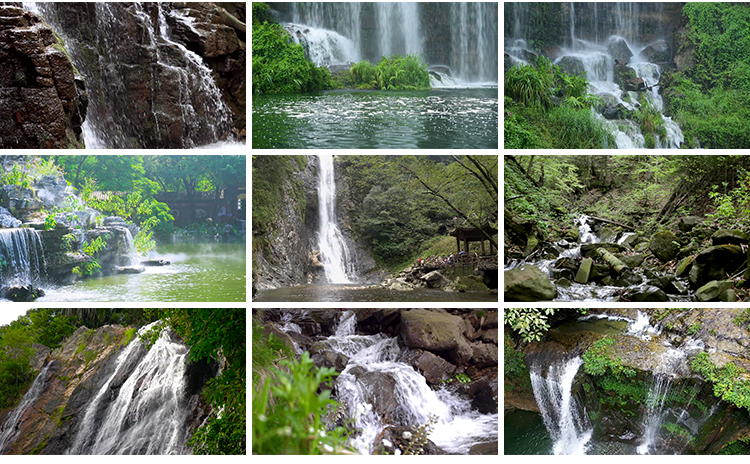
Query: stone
pixel 528 283
pixel 664 245
pixel 572 65
pixel 330 359
pixel 632 260
pixel 712 290
pixel 715 263
pixel 647 293
pixel 430 330
pixel 619 49
pixel 21 293
pixel 435 279
pixel 683 268
pixel 7 220
pixel 470 284
pixel 687 223
pixel 433 367
pixel 729 236
pixel 484 355
pixel 582 276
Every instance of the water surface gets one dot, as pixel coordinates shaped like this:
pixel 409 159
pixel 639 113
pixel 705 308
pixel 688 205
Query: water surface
pixel 349 293
pixel 199 272
pixel 436 118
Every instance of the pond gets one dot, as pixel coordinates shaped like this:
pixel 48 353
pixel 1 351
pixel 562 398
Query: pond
pixel 198 272
pixel 349 293
pixel 436 118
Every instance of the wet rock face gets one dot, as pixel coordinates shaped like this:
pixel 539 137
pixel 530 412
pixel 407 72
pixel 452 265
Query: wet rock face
pixel 42 102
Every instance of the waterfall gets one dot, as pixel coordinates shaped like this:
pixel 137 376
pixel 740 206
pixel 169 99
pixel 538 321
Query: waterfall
pixel 131 259
pixel 565 419
pixel 601 35
pixel 334 254
pixel 21 256
pixel 9 430
pixel 657 393
pixel 459 36
pixel 132 65
pixel 147 414
pixel 377 358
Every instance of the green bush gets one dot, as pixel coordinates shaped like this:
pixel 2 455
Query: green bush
pixel 729 380
pixel 289 416
pixel 280 66
pixel 364 75
pixel 401 73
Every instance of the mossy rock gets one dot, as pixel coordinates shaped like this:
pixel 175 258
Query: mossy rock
pixel 470 284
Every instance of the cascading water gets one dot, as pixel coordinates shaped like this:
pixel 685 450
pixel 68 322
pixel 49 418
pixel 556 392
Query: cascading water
pixel 379 356
pixel 334 253
pixel 566 421
pixel 606 41
pixel 148 413
pixel 9 431
pixel 170 88
pixel 461 37
pixel 21 256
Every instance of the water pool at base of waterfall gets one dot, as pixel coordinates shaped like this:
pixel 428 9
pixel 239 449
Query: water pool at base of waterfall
pixel 348 293
pixel 198 272
pixel 437 118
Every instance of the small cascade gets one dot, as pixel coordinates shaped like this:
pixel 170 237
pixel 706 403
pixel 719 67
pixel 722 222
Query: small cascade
pixel 9 430
pixel 334 253
pixel 324 47
pixel 377 359
pixel 657 393
pixel 623 62
pixel 131 258
pixel 642 327
pixel 398 28
pixel 21 256
pixel 565 419
pixel 147 415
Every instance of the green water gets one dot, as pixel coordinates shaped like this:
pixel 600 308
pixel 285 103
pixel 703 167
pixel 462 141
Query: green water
pixel 436 118
pixel 349 293
pixel 525 434
pixel 199 272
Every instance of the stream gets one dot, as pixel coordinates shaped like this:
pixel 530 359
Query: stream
pixel 572 420
pixel 552 261
pixel 458 427
pixel 198 272
pixel 348 293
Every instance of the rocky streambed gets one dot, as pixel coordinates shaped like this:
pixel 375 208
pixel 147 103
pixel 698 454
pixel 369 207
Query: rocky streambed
pixel 398 367
pixel 690 261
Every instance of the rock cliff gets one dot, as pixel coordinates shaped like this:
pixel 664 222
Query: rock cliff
pixel 43 100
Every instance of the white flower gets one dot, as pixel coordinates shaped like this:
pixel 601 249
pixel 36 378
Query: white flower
pixel 328 448
pixel 262 418
pixel 387 443
pixel 406 435
pixel 322 433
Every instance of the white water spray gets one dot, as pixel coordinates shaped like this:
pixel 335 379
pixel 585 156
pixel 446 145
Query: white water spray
pixel 9 432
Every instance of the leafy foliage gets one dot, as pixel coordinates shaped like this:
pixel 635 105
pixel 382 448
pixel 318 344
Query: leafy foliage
pixel 598 360
pixel 730 382
pixel 293 422
pixel 280 66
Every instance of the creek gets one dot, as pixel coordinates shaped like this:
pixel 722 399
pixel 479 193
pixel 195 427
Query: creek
pixel 198 272
pixel 623 54
pixel 554 261
pixel 348 293
pixel 576 415
pixel 376 361
pixel 458 42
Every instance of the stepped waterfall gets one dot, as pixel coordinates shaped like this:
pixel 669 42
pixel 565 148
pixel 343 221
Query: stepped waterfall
pixel 377 360
pixel 457 40
pixel 607 41
pixel 9 431
pixel 21 257
pixel 335 256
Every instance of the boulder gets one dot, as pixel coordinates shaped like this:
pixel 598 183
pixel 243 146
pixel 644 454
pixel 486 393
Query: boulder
pixel 582 276
pixel 435 279
pixel 484 355
pixel 729 236
pixel 528 283
pixel 687 223
pixel 572 65
pixel 715 263
pixel 664 245
pixel 433 367
pixel 712 290
pixel 469 284
pixel 331 359
pixel 430 330
pixel 619 49
pixel 646 293
pixel 7 220
pixel 22 293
